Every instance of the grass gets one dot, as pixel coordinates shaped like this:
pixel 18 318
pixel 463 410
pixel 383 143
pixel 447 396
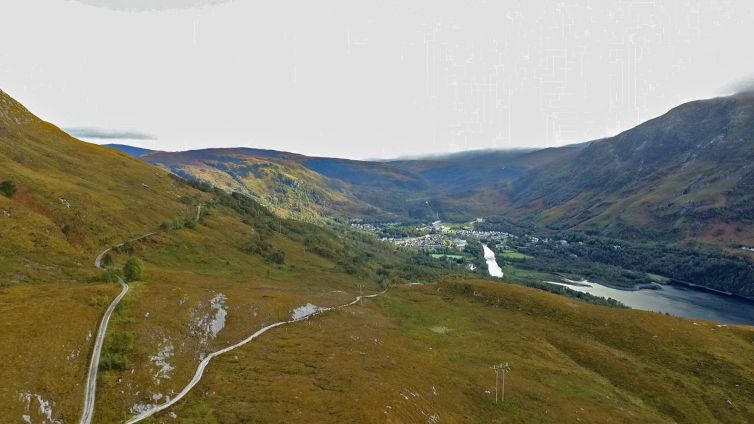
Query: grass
pixel 512 254
pixel 385 361
pixel 441 256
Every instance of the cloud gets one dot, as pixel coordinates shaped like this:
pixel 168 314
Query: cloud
pixel 145 5
pixel 108 134
pixel 744 85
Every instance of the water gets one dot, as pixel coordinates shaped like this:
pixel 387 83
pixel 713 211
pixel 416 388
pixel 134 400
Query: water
pixel 492 266
pixel 679 301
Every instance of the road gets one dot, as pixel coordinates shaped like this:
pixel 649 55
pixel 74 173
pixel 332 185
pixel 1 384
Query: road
pixel 90 387
pixel 202 365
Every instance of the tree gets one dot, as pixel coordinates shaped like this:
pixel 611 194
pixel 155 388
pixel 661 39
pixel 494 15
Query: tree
pixel 133 269
pixel 7 188
pixel 107 260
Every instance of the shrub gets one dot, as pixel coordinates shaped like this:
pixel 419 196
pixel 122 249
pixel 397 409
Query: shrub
pixel 118 344
pixel 257 245
pixel 133 269
pixel 7 188
pixel 109 276
pixel 277 256
pixel 127 247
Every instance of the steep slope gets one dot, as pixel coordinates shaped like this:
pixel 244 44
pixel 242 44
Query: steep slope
pixel 72 197
pixel 454 187
pixel 688 173
pixel 75 199
pixel 277 180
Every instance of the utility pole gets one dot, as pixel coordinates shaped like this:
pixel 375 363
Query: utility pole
pixel 501 367
pixel 361 293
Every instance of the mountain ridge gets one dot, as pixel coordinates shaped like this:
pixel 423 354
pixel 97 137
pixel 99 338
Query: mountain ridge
pixel 682 161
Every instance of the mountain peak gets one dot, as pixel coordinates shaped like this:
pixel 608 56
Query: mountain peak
pixel 13 113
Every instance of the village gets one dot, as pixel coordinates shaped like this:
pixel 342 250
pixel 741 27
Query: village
pixel 436 235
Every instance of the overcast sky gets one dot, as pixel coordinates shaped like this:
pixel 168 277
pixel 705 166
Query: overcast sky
pixel 366 79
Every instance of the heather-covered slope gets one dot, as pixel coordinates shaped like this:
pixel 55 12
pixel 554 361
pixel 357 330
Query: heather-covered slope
pixel 278 181
pixel 688 173
pixel 72 197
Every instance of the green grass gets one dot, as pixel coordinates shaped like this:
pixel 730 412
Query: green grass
pixel 512 254
pixel 385 360
pixel 441 256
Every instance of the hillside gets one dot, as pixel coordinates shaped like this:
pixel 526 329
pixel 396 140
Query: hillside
pixel 686 174
pixel 210 251
pixel 72 197
pixel 453 187
pixel 423 354
pixel 278 181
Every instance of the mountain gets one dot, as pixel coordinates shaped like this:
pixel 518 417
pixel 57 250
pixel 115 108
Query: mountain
pixel 220 270
pixel 71 196
pixel 686 174
pixel 277 180
pixel 131 150
pixel 454 187
pixel 207 251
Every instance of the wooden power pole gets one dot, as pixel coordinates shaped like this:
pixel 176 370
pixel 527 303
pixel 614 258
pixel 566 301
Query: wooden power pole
pixel 498 368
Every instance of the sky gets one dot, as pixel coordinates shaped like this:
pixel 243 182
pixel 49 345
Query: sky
pixel 367 79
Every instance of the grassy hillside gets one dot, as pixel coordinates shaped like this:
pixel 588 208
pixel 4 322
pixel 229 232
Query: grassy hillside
pixel 423 354
pixel 453 187
pixel 686 174
pixel 73 200
pixel 280 182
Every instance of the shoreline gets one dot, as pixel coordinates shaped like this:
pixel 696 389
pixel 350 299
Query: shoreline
pixel 655 285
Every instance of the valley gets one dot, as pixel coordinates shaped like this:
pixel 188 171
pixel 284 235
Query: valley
pixel 506 212
pixel 322 305
pixel 526 259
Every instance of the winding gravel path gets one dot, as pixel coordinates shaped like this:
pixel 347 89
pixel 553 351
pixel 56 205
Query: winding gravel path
pixel 202 365
pixel 90 388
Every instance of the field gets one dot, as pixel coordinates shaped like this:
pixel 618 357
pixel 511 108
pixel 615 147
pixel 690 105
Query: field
pixel 512 254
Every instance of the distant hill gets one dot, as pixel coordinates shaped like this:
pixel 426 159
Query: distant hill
pixel 131 150
pixel 687 173
pixel 455 187
pixel 278 180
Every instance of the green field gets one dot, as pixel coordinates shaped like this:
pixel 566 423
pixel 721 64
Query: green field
pixel 441 256
pixel 512 254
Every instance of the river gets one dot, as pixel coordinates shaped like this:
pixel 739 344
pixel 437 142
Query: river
pixel 492 266
pixel 677 300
